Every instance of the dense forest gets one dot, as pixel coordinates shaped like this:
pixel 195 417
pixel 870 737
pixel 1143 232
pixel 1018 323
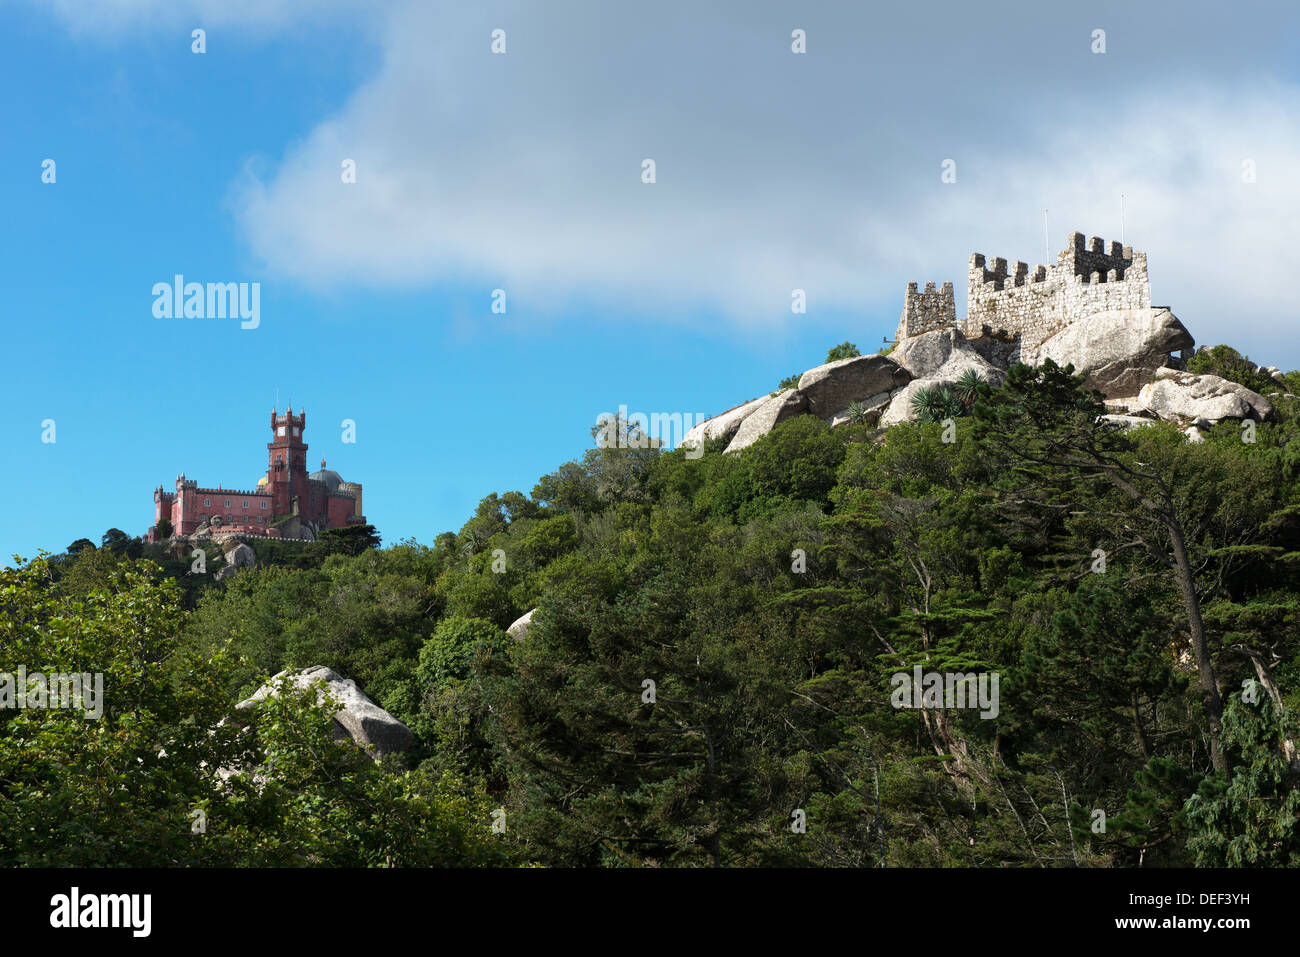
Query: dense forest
pixel 707 678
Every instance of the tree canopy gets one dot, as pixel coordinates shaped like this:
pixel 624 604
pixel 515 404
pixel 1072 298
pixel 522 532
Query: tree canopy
pixel 709 674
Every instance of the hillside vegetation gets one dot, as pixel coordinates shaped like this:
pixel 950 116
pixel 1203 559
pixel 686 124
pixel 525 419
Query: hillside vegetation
pixel 1138 596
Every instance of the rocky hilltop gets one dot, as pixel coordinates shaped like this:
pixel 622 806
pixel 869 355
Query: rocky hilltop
pixel 1135 355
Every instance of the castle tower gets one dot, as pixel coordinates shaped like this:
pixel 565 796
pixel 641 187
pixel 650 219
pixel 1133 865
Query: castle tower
pixel 286 473
pixel 926 311
pixel 355 489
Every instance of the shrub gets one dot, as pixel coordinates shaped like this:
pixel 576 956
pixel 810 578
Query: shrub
pixel 1227 363
pixel 451 651
pixel 845 350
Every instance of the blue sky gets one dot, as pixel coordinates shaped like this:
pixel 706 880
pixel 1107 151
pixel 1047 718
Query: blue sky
pixel 522 171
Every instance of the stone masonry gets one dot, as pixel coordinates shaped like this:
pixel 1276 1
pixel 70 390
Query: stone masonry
pixel 1033 305
pixel 926 311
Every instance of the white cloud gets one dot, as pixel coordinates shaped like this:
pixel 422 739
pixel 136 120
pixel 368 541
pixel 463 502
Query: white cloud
pixel 1219 249
pixel 473 165
pixel 777 171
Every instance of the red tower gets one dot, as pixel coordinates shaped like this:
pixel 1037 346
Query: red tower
pixel 286 472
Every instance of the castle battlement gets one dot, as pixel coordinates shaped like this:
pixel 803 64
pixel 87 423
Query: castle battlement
pixel 998 276
pixel 926 311
pixel 1089 276
pixel 231 492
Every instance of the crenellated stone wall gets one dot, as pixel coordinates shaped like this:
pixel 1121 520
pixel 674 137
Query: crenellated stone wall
pixel 1033 305
pixel 926 311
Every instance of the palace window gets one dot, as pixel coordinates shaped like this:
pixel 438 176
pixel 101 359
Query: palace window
pixel 207 501
pixel 227 503
pixel 264 503
pixel 245 503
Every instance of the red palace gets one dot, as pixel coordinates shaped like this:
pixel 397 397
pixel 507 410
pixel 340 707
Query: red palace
pixel 287 503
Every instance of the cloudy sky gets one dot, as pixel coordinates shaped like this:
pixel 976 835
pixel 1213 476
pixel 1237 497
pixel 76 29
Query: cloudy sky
pixel 522 171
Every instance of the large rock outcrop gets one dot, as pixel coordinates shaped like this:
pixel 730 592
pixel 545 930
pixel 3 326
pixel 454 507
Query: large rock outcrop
pixel 900 405
pixel 955 357
pixel 836 385
pixel 239 555
pixel 924 355
pixel 360 719
pixel 967 360
pixel 1127 422
pixel 997 346
pixel 1119 351
pixel 872 407
pixel 786 404
pixel 519 629
pixel 1184 397
pixel 722 426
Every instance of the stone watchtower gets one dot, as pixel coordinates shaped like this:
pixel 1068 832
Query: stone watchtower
pixel 286 473
pixel 926 311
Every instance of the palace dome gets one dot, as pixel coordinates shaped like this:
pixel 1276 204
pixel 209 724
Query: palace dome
pixel 331 478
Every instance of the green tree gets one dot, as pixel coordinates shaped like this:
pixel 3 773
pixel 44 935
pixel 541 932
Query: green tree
pixel 967 389
pixel 845 350
pixel 453 648
pixel 1055 451
pixel 121 787
pixel 346 540
pixel 1226 362
pixel 1251 816
pixel 116 540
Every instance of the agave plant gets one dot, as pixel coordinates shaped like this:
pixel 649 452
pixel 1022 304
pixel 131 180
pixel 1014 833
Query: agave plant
pixel 935 405
pixel 967 388
pixel 858 413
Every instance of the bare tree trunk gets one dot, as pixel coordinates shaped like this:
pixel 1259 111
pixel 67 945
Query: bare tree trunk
pixel 1200 650
pixel 1266 679
pixel 1168 516
pixel 948 745
pixel 1137 726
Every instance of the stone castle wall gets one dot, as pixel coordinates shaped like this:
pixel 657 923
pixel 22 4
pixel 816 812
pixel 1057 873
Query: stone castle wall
pixel 926 311
pixel 1034 305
